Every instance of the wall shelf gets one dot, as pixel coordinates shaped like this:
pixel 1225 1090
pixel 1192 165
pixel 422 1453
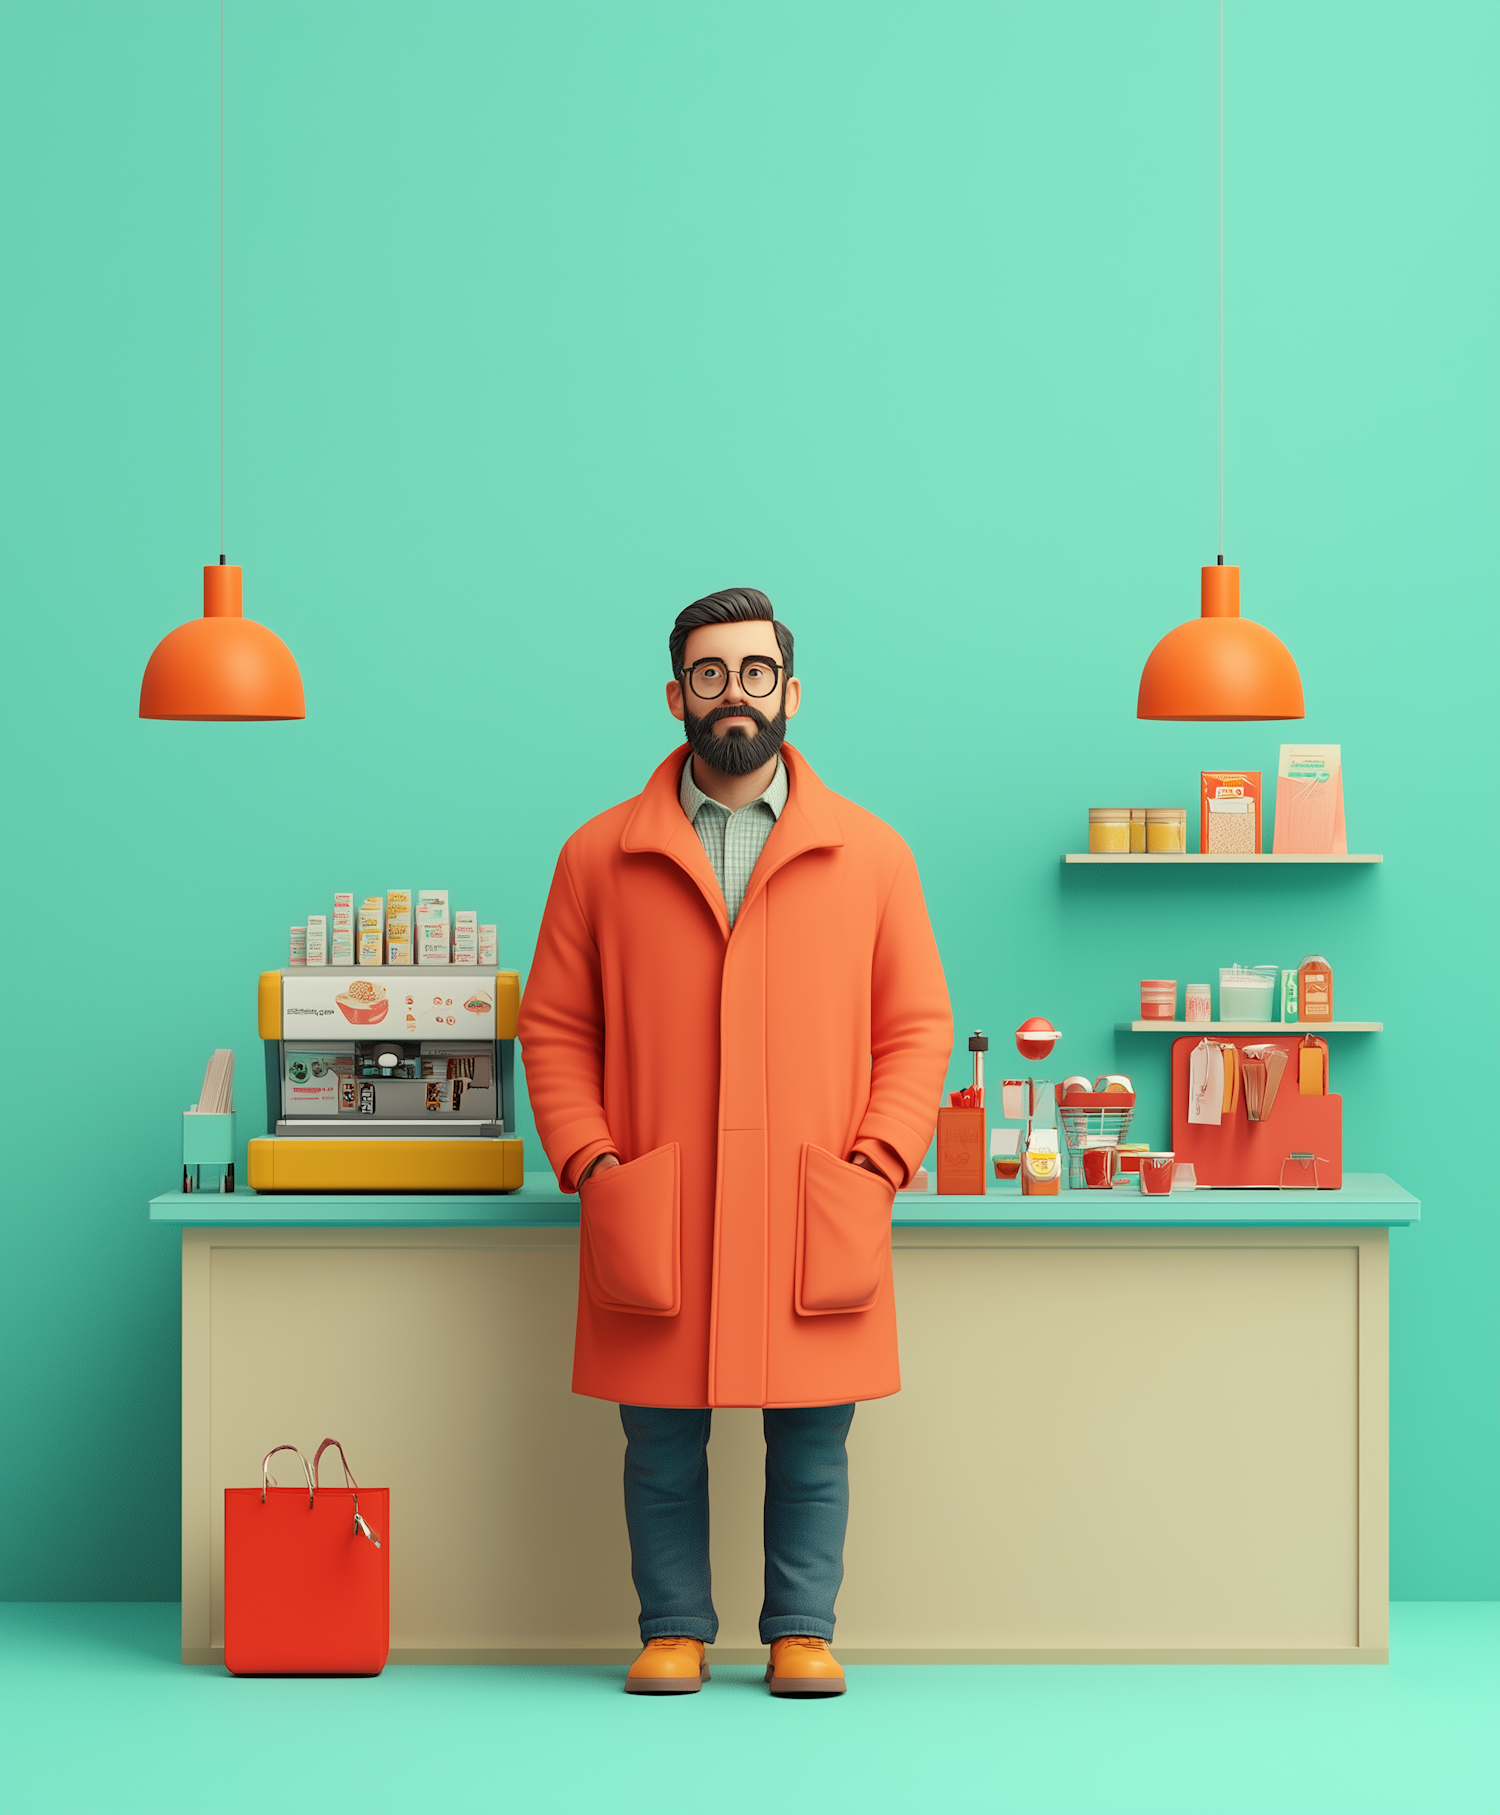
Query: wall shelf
pixel 1120 857
pixel 1271 1029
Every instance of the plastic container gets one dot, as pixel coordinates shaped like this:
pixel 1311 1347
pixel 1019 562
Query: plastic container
pixel 1272 975
pixel 1199 1003
pixel 1315 989
pixel 1109 829
pixel 1166 829
pixel 1246 995
pixel 1158 999
pixel 1005 1152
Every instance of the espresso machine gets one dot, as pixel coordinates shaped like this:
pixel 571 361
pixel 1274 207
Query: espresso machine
pixel 389 1078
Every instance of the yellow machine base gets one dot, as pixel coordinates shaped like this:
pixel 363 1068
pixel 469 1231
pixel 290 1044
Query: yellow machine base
pixel 354 1165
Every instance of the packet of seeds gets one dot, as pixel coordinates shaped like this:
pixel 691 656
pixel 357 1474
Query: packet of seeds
pixel 1310 799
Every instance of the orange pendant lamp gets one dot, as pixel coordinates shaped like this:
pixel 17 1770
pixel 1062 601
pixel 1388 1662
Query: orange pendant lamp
pixel 222 665
pixel 1220 665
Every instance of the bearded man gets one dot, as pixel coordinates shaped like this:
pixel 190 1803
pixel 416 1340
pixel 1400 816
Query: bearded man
pixel 735 1034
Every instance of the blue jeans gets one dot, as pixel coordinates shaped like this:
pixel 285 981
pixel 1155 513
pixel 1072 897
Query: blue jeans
pixel 666 1511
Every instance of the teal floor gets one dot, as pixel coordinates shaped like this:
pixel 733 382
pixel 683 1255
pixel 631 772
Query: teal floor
pixel 97 1714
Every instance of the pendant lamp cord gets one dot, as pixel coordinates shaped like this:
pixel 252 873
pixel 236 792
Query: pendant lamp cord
pixel 222 543
pixel 1221 282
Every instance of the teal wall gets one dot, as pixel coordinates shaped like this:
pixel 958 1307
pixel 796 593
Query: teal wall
pixel 544 319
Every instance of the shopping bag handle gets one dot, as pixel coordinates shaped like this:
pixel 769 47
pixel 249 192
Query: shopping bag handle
pixel 333 1443
pixel 359 1524
pixel 267 1479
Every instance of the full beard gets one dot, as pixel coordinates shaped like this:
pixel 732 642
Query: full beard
pixel 735 753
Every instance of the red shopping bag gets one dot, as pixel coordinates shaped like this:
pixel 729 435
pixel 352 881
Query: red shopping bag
pixel 307 1580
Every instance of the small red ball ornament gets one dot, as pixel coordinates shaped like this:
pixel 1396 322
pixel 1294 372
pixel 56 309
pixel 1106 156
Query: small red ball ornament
pixel 1035 1037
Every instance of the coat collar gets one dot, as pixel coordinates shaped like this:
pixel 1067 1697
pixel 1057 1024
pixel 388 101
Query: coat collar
pixel 807 823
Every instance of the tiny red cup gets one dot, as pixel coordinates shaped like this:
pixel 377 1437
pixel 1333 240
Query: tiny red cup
pixel 1157 1172
pixel 1101 1167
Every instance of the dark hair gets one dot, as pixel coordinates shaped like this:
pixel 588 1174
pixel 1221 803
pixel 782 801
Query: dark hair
pixel 735 605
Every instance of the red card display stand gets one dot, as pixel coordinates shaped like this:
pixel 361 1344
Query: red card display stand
pixel 1243 1153
pixel 307 1576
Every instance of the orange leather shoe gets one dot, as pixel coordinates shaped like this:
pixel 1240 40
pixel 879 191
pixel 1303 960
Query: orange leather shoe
pixel 668 1667
pixel 804 1666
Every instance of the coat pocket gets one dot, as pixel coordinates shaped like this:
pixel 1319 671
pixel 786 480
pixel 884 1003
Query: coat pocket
pixel 630 1235
pixel 843 1234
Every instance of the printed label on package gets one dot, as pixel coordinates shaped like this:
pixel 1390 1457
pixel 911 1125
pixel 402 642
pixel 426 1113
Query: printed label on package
pixel 414 1006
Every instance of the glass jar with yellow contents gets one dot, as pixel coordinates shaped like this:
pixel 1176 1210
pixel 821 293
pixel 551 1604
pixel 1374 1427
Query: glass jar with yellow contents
pixel 1109 829
pixel 1166 829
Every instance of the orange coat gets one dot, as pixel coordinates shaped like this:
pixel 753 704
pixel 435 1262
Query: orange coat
pixel 735 1257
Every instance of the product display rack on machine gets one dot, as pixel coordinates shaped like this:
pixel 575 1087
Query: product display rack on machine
pixel 389 1078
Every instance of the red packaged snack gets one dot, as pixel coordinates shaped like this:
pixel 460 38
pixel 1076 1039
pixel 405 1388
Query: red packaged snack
pixel 1229 819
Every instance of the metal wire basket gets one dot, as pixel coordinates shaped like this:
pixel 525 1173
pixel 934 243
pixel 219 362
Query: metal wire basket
pixel 1095 1119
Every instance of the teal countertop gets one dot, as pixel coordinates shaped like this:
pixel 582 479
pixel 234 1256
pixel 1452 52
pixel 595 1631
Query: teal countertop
pixel 1367 1200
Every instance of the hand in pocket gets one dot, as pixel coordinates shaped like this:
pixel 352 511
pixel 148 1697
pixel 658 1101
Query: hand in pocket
pixel 630 1234
pixel 843 1234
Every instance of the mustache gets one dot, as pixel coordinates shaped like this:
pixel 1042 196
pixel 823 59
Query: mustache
pixel 719 713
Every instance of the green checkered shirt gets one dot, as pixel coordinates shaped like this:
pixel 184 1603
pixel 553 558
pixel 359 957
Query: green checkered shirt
pixel 733 840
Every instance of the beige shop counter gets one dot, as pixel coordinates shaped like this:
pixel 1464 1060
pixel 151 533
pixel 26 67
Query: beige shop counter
pixel 1117 1440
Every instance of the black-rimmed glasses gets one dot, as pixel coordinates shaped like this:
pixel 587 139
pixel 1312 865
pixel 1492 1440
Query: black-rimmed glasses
pixel 708 678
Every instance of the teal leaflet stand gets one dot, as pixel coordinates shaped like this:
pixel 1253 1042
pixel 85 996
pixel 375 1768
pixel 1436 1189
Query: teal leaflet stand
pixel 207 1140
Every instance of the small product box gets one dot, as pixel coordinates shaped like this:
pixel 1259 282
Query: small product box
pixel 489 945
pixel 317 939
pixel 398 926
pixel 432 942
pixel 370 930
pixel 341 947
pixel 299 945
pixel 1289 995
pixel 1229 817
pixel 434 935
pixel 465 937
pixel 343 914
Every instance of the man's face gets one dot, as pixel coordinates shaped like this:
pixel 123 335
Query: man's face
pixel 735 732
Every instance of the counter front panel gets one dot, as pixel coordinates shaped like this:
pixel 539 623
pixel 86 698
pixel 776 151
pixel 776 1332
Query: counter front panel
pixel 1111 1443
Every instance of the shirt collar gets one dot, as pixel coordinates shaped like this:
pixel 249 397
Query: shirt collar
pixel 693 797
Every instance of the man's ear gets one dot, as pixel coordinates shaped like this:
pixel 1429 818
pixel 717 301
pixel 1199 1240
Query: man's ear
pixel 793 697
pixel 674 699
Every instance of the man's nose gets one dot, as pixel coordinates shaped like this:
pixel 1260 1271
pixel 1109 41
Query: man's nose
pixel 733 692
